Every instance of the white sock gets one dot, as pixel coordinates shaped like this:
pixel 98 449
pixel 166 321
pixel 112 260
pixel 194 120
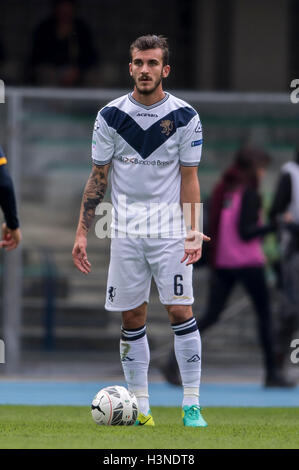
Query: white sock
pixel 191 396
pixel 135 356
pixel 187 347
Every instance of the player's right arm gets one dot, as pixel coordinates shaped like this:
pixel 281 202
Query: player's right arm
pixel 190 155
pixel 93 195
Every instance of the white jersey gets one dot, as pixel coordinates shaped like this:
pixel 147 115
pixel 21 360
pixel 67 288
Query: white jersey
pixel 146 146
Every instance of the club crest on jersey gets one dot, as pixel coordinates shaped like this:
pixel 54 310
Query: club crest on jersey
pixel 167 126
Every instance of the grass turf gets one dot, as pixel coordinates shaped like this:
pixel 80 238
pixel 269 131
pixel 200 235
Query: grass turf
pixel 69 427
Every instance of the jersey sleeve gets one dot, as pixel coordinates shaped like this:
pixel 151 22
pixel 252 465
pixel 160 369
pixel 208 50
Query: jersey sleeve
pixel 190 146
pixel 102 142
pixel 3 160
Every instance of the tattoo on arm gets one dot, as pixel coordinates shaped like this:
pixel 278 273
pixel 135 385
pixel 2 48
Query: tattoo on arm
pixel 94 193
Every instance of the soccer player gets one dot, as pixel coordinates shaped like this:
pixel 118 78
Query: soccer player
pixel 152 142
pixel 11 234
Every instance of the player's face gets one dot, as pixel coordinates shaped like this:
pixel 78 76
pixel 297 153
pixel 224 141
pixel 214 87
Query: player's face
pixel 147 70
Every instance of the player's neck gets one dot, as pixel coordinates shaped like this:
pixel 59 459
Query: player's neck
pixel 149 100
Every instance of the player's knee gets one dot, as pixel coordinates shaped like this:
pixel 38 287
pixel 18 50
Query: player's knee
pixel 134 318
pixel 179 313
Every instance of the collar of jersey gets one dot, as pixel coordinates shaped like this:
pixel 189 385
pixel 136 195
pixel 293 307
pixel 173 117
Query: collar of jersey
pixel 152 105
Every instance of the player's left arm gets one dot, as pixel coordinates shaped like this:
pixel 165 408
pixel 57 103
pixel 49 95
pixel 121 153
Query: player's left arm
pixel 95 189
pixel 190 201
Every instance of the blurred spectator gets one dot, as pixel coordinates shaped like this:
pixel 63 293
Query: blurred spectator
pixel 11 235
pixel 236 253
pixel 63 48
pixel 285 210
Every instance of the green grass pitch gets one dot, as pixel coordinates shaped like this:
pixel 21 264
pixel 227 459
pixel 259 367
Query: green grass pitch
pixel 69 427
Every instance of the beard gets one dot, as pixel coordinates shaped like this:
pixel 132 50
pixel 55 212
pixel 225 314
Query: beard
pixel 148 91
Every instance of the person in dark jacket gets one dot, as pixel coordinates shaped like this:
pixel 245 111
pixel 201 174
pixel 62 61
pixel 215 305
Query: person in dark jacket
pixel 285 212
pixel 11 234
pixel 63 48
pixel 236 254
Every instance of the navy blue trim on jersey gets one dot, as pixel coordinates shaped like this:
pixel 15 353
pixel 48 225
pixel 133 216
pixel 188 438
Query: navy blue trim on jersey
pixel 145 142
pixel 189 163
pixel 144 106
pixel 98 163
pixel 1 152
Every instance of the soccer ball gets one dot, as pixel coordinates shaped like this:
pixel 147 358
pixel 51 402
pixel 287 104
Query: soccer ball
pixel 113 406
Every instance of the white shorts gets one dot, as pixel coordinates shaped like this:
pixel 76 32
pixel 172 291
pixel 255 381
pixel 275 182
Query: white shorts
pixel 133 262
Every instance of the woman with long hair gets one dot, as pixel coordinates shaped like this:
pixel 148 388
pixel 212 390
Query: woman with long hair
pixel 236 255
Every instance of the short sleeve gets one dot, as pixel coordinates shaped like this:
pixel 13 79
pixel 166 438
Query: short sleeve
pixel 3 160
pixel 102 142
pixel 190 146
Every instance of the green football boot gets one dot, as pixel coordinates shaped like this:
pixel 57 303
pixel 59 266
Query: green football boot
pixel 144 420
pixel 192 417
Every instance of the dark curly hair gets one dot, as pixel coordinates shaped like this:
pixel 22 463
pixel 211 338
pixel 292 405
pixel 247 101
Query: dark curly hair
pixel 151 41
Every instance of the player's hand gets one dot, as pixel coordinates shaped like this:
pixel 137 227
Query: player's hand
pixel 80 256
pixel 193 246
pixel 10 238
